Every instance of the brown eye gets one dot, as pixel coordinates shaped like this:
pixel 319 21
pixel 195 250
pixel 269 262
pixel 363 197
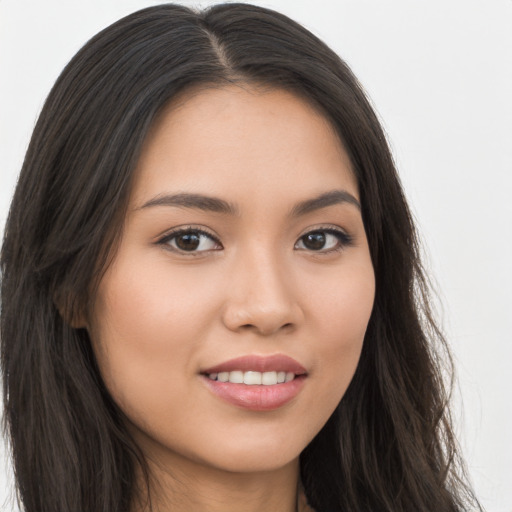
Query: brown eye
pixel 314 241
pixel 191 241
pixel 324 240
pixel 188 241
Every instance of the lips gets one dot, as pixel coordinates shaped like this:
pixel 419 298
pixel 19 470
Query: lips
pixel 274 363
pixel 258 383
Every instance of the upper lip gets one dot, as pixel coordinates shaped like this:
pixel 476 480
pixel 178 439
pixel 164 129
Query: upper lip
pixel 258 363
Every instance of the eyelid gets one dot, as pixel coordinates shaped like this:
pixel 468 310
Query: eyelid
pixel 178 230
pixel 345 239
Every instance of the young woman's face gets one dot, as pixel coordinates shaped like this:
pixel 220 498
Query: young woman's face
pixel 243 258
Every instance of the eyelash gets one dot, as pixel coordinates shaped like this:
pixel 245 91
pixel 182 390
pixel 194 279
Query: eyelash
pixel 344 240
pixel 189 230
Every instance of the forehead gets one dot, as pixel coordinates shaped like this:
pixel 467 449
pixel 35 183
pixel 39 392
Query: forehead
pixel 241 139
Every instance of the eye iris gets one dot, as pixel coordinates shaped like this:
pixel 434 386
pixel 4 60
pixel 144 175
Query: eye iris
pixel 188 241
pixel 314 241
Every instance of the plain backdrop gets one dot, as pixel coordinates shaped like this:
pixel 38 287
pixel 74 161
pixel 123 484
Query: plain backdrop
pixel 440 76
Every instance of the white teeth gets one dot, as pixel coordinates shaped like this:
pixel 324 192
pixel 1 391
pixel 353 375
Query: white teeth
pixel 253 378
pixel 236 377
pixel 269 378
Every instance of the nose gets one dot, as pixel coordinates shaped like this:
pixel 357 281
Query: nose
pixel 262 296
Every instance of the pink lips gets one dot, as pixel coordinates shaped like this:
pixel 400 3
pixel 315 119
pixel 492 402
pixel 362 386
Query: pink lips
pixel 257 397
pixel 275 363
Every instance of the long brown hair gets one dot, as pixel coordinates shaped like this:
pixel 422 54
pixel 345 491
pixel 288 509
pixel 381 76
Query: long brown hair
pixel 388 446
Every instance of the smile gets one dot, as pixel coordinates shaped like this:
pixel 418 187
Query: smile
pixel 256 383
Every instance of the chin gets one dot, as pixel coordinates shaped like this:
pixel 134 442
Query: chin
pixel 256 454
pixel 255 462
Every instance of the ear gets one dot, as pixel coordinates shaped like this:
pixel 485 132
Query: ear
pixel 69 311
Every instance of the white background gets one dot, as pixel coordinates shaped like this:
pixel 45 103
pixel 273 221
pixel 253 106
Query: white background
pixel 440 75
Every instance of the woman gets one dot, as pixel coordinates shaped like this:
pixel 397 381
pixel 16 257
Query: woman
pixel 211 291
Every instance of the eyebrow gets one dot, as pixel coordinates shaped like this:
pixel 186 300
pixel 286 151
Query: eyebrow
pixel 214 204
pixel 325 200
pixel 193 201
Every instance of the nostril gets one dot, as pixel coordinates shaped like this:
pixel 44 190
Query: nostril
pixel 263 317
pixel 266 329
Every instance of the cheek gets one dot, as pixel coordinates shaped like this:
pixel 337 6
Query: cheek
pixel 343 311
pixel 147 305
pixel 147 327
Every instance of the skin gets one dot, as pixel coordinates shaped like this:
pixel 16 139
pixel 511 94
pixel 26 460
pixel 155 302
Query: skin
pixel 162 315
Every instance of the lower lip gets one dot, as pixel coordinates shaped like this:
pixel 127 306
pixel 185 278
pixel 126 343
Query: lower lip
pixel 257 397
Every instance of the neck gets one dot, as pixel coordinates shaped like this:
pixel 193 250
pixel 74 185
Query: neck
pixel 185 486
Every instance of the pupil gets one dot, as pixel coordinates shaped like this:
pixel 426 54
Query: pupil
pixel 314 241
pixel 188 242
